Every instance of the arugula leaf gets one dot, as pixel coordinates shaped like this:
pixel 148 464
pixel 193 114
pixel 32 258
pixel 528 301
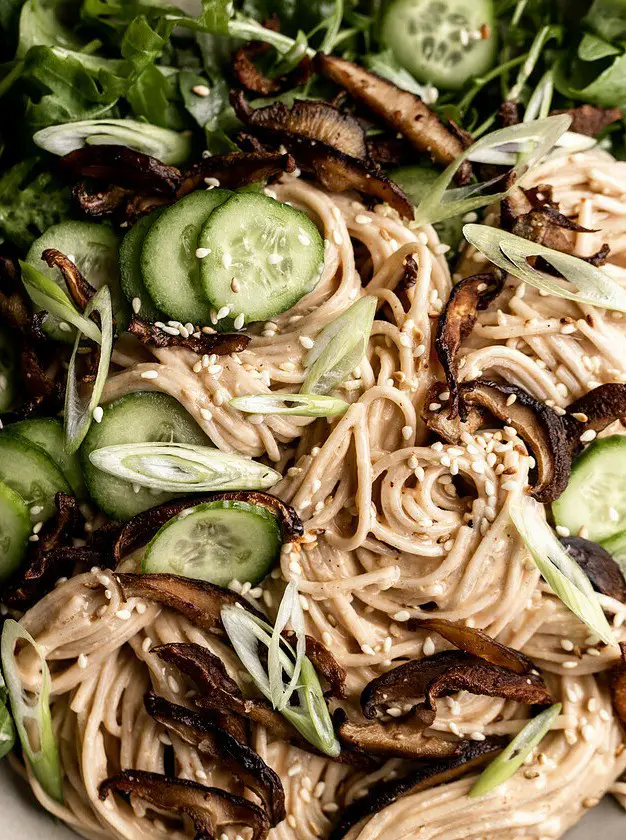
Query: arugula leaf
pixel 154 96
pixel 40 26
pixel 42 202
pixel 592 48
pixel 201 108
pixel 607 18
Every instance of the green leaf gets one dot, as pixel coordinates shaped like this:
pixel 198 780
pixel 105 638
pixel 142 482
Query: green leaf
pixel 215 16
pixel 592 48
pixel 514 754
pixel 595 82
pixel 201 108
pixel 385 64
pixel 40 25
pixel 43 202
pixel 299 405
pixel 607 18
pixel 154 97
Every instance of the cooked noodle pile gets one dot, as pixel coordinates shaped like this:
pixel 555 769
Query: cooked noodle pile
pixel 389 536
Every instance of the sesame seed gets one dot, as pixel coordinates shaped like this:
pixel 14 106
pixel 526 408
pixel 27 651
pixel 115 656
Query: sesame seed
pixel 64 326
pixel 562 531
pixel 402 615
pixel 82 661
pixel 362 219
pixel 477 736
pixel 570 663
pixel 211 182
pixel 124 615
pixel 303 239
pixel 580 416
pixel 200 90
pixel 306 342
pixel 146 644
pixel 305 795
pixel 239 321
pixel 429 646
pixel 136 304
pixel 36 509
pixel 368 650
pixel 149 374
pixel 206 414
pixel 511 399
pixel 407 432
pixel 567 645
pixel 202 252
pixel 587 436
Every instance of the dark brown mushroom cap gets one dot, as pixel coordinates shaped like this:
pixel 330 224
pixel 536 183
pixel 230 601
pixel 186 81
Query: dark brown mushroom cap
pixel 477 642
pixel 456 322
pixel 222 344
pixel 401 110
pixel 596 410
pixel 236 169
pixel 123 167
pixel 324 662
pixel 617 685
pixel 126 204
pixel 537 424
pixel 547 226
pixel 141 528
pixel 197 600
pixel 471 756
pixel 591 119
pixel 444 673
pixel 440 423
pixel 335 169
pixel 393 739
pixel 209 808
pixel 199 730
pixel 599 566
pixel 80 290
pixel 307 118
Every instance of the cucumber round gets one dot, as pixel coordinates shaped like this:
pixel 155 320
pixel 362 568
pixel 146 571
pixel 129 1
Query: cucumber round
pixel 93 248
pixel 48 433
pixel 9 387
pixel 15 528
pixel 616 546
pixel 273 252
pixel 439 41
pixel 218 542
pixel 131 277
pixel 28 470
pixel 596 494
pixel 142 417
pixel 416 181
pixel 170 268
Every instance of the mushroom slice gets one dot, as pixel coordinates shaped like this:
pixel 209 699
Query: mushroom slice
pixel 475 642
pixel 222 344
pixel 402 111
pixel 336 169
pixel 471 756
pixel 308 118
pixel 210 809
pixel 123 167
pixel 199 730
pixel 537 424
pixel 444 673
pixel 393 739
pixel 596 410
pixel 43 571
pixel 197 600
pixel 81 291
pixel 456 322
pixel 547 226
pixel 605 575
pixel 141 528
pixel 617 684
pixel 324 662
pixel 235 169
pixel 591 119
pixel 448 429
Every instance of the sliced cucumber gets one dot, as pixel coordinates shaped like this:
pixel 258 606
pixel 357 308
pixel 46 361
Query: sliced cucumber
pixel 31 472
pixel 270 253
pixel 169 265
pixel 141 417
pixel 416 182
pixel 616 546
pixel 131 277
pixel 218 542
pixel 15 528
pixel 8 371
pixel 94 250
pixel 596 494
pixel 47 432
pixel 440 41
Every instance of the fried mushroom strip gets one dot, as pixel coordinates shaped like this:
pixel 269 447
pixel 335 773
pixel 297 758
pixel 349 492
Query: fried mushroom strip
pixel 599 566
pixel 209 808
pixel 123 167
pixel 222 344
pixel 236 169
pixel 81 291
pixel 595 410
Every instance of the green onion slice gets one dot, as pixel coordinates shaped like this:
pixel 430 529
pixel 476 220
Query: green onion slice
pixel 247 632
pixel 339 348
pixel 511 253
pixel 183 468
pixel 79 406
pixel 7 727
pixel 45 293
pixel 535 138
pixel 562 574
pixel 515 753
pixel 302 405
pixel 168 146
pixel 32 716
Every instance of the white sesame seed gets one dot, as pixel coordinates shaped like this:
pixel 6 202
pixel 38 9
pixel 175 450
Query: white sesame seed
pixel 306 342
pixel 567 645
pixel 201 253
pixel 562 531
pixel 124 615
pixel 64 326
pixel 149 374
pixel 136 304
pixel 402 615
pixel 407 432
pixel 200 90
pixel 368 649
pixel 362 219
pixel 570 663
pixel 587 436
pixel 239 321
pixel 82 661
pixel 206 414
pixel 429 646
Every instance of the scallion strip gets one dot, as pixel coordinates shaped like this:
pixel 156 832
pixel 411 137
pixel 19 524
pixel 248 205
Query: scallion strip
pixel 562 574
pixel 339 348
pixel 33 720
pixel 289 612
pixel 515 753
pixel 45 293
pixel 79 407
pixel 536 138
pixel 183 468
pixel 300 405
pixel 511 253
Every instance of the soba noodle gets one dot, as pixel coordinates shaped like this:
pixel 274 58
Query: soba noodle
pixel 387 537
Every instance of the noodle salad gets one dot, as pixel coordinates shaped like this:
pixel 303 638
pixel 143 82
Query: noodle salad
pixel 312 398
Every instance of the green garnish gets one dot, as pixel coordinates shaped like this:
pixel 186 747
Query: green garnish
pixel 515 753
pixel 300 405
